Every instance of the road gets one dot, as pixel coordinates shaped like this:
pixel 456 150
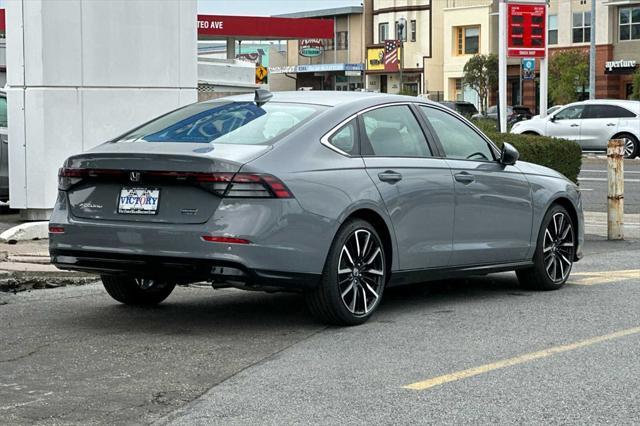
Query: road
pixel 495 353
pixel 593 184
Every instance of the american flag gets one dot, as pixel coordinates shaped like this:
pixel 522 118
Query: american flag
pixel 391 55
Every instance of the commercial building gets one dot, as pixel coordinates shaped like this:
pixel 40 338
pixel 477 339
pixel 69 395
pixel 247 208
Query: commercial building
pixel 335 63
pixel 417 66
pixel 617 40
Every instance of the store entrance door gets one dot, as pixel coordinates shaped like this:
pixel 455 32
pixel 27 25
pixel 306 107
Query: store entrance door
pixel 383 84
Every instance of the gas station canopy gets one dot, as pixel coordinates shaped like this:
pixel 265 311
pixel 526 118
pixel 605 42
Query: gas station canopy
pixel 222 27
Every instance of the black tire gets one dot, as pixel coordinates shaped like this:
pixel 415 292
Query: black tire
pixel 130 291
pixel 554 254
pixel 632 146
pixel 347 298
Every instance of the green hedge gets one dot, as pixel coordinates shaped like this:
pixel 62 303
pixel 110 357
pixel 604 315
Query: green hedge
pixel 558 154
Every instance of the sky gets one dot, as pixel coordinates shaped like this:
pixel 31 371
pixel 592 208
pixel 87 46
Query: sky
pixel 268 7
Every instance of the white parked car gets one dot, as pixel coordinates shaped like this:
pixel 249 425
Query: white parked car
pixel 591 123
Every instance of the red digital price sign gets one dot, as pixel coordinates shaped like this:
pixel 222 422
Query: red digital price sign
pixel 526 30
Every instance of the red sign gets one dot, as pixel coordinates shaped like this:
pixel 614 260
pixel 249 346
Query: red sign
pixel 263 28
pixel 526 30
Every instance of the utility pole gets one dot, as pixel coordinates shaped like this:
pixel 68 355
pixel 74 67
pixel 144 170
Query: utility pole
pixel 401 26
pixel 592 53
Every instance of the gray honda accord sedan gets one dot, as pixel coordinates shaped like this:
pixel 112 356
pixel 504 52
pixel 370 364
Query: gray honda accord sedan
pixel 336 195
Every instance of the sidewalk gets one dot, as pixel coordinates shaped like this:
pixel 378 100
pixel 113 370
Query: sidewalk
pixel 25 265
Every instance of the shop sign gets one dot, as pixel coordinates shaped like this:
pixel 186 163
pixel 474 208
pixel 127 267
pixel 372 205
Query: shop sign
pixel 620 67
pixel 526 30
pixel 352 73
pixel 375 59
pixel 283 70
pixel 310 48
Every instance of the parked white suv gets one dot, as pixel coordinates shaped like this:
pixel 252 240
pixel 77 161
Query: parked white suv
pixel 591 123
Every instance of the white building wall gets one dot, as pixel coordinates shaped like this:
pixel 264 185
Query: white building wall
pixel 82 72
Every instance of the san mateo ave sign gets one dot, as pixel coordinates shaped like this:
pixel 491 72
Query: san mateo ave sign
pixel 310 48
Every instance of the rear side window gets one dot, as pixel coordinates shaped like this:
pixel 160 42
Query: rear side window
pixel 607 111
pixel 346 138
pixel 3 112
pixel 458 140
pixel 225 122
pixel 393 131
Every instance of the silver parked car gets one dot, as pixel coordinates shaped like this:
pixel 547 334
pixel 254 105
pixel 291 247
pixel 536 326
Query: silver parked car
pixel 592 124
pixel 337 195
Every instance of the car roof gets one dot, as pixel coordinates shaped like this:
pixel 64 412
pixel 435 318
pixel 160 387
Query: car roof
pixel 326 97
pixel 629 104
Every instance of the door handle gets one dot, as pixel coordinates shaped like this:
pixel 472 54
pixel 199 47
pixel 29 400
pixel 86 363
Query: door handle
pixel 464 177
pixel 389 176
pixel 611 124
pixel 574 125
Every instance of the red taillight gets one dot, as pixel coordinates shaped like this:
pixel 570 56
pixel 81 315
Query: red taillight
pixel 225 240
pixel 56 230
pixel 224 184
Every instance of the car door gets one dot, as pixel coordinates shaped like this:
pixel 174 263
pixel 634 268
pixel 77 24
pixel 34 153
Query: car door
pixel 416 187
pixel 493 213
pixel 599 123
pixel 566 123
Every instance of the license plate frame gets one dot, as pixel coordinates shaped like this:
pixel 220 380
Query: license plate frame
pixel 137 204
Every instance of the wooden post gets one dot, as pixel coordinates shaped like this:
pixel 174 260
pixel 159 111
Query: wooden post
pixel 615 193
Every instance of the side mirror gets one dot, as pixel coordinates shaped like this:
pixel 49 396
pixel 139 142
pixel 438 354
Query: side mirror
pixel 509 155
pixel 552 118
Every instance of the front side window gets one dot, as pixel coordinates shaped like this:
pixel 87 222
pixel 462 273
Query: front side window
pixel 607 111
pixel 581 27
pixel 570 113
pixel 629 23
pixel 553 29
pixel 346 139
pixel 394 132
pixel 458 140
pixel 383 32
pixel 225 122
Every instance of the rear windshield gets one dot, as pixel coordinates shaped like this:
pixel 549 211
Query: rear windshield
pixel 467 109
pixel 225 122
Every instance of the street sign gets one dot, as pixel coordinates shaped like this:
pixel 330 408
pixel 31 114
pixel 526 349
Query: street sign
pixel 526 30
pixel 261 73
pixel 528 68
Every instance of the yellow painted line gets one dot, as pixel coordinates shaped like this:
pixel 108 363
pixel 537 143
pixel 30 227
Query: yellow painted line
pixel 459 375
pixel 605 277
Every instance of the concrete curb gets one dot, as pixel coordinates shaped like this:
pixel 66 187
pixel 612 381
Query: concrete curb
pixel 25 232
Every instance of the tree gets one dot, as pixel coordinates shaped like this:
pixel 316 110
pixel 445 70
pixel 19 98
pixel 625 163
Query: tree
pixel 568 71
pixel 481 74
pixel 635 91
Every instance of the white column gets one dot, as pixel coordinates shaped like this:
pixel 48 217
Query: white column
pixel 502 64
pixel 82 72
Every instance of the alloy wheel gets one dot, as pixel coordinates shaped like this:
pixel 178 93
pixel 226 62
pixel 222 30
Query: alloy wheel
pixel 361 272
pixel 629 147
pixel 146 284
pixel 558 247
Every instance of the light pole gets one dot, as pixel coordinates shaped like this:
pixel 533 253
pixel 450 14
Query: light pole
pixel 592 53
pixel 402 23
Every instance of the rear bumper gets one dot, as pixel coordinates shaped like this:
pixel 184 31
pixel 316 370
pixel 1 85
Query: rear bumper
pixel 181 270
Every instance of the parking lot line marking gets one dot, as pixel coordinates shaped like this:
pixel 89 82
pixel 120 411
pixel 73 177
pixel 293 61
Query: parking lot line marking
pixel 605 171
pixel 475 371
pixel 605 277
pixel 584 179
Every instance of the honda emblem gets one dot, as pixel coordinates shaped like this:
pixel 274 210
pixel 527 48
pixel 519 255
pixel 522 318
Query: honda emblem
pixel 135 176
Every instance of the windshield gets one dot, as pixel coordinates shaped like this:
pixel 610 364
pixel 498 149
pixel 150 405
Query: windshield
pixel 225 122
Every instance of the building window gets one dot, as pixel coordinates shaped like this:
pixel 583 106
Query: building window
pixel 383 32
pixel 553 29
pixel 582 27
pixel 328 44
pixel 467 40
pixel 413 30
pixel 629 21
pixel 401 33
pixel 343 40
pixel 459 93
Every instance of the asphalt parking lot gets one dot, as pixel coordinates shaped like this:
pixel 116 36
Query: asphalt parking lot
pixel 479 350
